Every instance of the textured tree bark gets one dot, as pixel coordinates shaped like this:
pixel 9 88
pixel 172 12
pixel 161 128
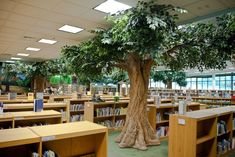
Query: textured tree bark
pixel 39 84
pixel 137 131
pixel 169 84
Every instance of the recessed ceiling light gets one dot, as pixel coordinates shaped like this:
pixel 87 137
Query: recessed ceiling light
pixel 47 41
pixel 112 7
pixel 10 61
pixel 32 49
pixel 23 54
pixel 15 58
pixel 70 29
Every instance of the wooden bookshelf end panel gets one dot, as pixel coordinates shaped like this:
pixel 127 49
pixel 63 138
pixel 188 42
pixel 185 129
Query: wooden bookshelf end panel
pixel 182 137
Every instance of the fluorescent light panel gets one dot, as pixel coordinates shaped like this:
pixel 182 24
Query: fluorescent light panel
pixel 15 58
pixel 10 61
pixel 112 7
pixel 32 49
pixel 70 29
pixel 47 41
pixel 22 54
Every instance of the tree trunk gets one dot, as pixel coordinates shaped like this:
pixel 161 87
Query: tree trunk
pixel 39 84
pixel 137 131
pixel 169 84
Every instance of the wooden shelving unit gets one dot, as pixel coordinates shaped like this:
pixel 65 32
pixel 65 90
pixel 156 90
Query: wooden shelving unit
pixel 29 118
pixel 76 109
pixel 60 107
pixel 6 121
pixel 18 142
pixel 14 101
pixel 159 116
pixel 201 133
pixel 67 139
pixel 111 114
pixel 74 139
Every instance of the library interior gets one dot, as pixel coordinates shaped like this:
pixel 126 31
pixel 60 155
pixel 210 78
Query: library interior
pixel 117 78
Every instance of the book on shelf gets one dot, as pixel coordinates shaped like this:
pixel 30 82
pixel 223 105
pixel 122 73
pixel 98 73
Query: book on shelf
pixel 233 143
pixel 30 96
pixel 76 107
pixel 78 117
pixel 119 123
pixel 221 127
pixel 120 111
pixel 107 123
pixel 12 96
pixel 34 154
pixel 107 111
pixel 38 105
pixel 63 113
pixel 39 95
pixel 162 131
pixel 1 107
pixel 158 117
pixel 224 145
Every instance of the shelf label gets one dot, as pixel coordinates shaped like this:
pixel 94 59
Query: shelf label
pixel 19 118
pixel 181 121
pixel 48 138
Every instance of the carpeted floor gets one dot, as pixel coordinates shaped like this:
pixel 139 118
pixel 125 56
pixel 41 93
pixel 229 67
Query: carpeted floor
pixel 154 151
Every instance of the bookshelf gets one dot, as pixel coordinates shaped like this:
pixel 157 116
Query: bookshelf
pixel 29 118
pixel 59 98
pixel 60 107
pixel 64 139
pixel 76 109
pixel 210 100
pixel 111 114
pixel 216 139
pixel 6 121
pixel 159 116
pixel 18 142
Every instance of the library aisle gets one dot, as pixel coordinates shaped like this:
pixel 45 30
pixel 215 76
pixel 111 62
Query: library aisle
pixel 153 151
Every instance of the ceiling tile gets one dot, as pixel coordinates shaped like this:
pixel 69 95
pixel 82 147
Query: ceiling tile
pixel 70 9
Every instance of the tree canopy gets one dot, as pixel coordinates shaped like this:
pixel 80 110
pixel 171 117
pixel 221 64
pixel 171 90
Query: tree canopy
pixel 149 31
pixel 169 76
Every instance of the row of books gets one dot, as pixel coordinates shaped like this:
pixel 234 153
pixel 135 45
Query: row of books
pixel 63 114
pixel 120 111
pixel 107 111
pixel 49 153
pixel 221 127
pixel 224 145
pixel 119 123
pixel 32 124
pixel 78 117
pixel 107 123
pixel 162 131
pixel 76 107
pixel 164 116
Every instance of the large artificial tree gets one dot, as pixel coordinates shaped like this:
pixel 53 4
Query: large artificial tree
pixel 147 36
pixel 169 76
